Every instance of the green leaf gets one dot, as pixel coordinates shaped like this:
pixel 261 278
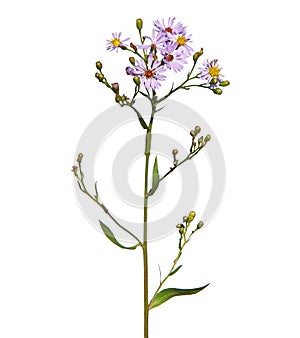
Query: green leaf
pixel 108 233
pixel 166 294
pixel 155 178
pixel 173 272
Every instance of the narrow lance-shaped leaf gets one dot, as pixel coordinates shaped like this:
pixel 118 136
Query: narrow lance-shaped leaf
pixel 155 178
pixel 174 271
pixel 166 294
pixel 108 233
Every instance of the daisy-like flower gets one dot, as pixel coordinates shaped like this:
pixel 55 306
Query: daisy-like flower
pixel 211 70
pixel 155 42
pixel 150 76
pixel 182 41
pixel 169 28
pixel 115 43
pixel 174 58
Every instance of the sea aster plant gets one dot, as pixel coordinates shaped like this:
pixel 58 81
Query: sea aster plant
pixel 211 70
pixel 151 75
pixel 115 43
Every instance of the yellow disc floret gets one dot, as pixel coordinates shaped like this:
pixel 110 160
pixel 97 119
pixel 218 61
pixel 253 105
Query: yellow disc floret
pixel 115 42
pixel 181 40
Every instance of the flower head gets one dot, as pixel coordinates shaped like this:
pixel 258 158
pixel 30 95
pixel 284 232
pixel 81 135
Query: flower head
pixel 174 57
pixel 169 28
pixel 182 41
pixel 115 43
pixel 151 75
pixel 156 41
pixel 211 70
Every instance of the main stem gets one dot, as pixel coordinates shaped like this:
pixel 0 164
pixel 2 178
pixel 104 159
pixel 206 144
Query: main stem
pixel 145 230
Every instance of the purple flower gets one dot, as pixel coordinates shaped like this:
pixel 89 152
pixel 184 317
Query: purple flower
pixel 150 76
pixel 174 58
pixel 170 28
pixel 211 70
pixel 157 40
pixel 182 41
pixel 116 42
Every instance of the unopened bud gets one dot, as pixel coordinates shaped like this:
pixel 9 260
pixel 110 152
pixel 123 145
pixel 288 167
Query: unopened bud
pixel 213 81
pixel 137 80
pixel 207 138
pixel 197 130
pixel 185 219
pixel 224 83
pixel 178 226
pixel 192 215
pixel 132 60
pixel 118 98
pixel 174 152
pixel 100 77
pixel 139 24
pixel 181 230
pixel 115 87
pixel 75 169
pixel 192 133
pixel 133 46
pixel 200 225
pixel 200 140
pixel 218 91
pixel 196 56
pixel 99 65
pixel 79 158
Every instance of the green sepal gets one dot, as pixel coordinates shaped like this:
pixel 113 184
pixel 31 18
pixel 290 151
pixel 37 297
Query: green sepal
pixel 155 178
pixel 108 233
pixel 173 272
pixel 166 294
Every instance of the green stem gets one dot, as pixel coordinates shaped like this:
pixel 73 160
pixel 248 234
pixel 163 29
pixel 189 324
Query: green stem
pixel 145 230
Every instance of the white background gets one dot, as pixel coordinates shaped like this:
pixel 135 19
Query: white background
pixel 62 278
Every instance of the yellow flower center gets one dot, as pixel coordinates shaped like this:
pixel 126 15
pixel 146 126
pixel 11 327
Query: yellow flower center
pixel 214 71
pixel 181 40
pixel 115 42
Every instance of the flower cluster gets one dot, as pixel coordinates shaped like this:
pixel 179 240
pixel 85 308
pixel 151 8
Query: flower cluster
pixel 167 48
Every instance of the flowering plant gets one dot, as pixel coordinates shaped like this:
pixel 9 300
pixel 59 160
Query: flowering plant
pixel 167 49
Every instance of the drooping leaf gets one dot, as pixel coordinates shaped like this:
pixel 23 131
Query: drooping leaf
pixel 108 233
pixel 155 178
pixel 173 272
pixel 166 294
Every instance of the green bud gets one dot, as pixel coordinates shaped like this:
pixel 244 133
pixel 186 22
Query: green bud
pixel 192 215
pixel 200 225
pixel 192 133
pixel 196 56
pixel 118 98
pixel 174 152
pixel 79 158
pixel 200 140
pixel 218 91
pixel 139 24
pixel 137 80
pixel 178 226
pixel 213 81
pixel 100 77
pixel 197 130
pixel 181 230
pixel 224 83
pixel 98 65
pixel 207 138
pixel 132 60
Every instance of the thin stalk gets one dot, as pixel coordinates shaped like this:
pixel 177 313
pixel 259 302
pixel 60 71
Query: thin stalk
pixel 145 229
